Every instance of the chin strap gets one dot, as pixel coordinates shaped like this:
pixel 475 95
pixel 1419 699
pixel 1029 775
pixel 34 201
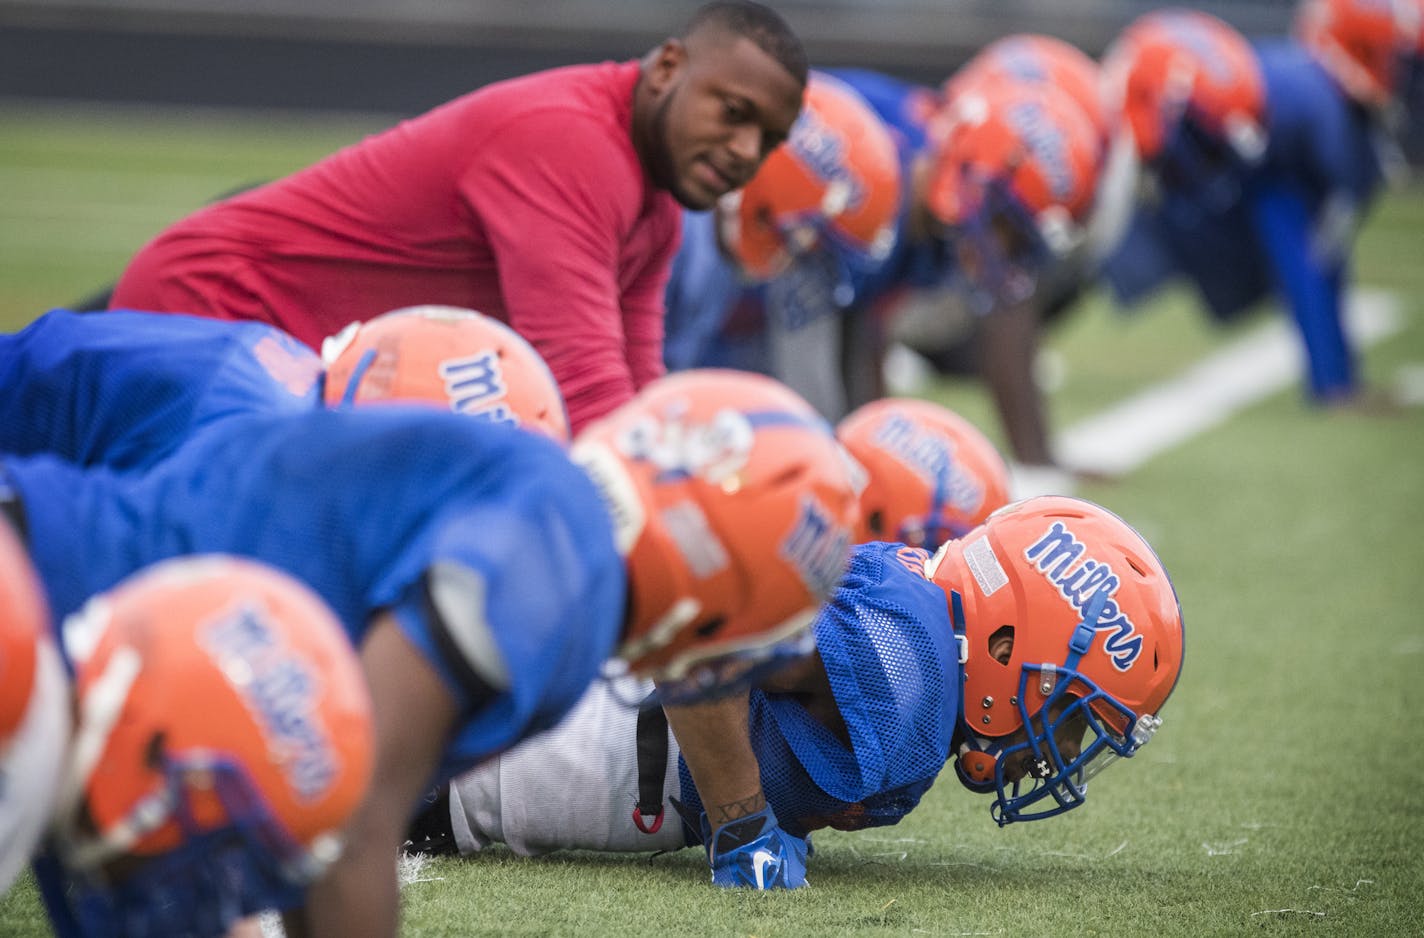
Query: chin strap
pixel 1082 638
pixel 358 374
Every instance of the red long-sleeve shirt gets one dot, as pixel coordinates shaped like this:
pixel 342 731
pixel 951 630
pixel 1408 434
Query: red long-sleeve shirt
pixel 524 200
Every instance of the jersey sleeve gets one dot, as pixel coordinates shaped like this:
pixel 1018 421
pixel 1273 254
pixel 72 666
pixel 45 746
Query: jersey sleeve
pixel 550 191
pixel 517 608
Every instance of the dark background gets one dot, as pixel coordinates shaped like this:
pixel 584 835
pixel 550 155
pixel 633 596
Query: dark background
pixel 403 56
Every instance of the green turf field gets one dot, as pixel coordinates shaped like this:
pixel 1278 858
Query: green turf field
pixel 1285 793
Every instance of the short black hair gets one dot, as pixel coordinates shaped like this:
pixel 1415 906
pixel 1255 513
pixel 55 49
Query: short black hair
pixel 761 24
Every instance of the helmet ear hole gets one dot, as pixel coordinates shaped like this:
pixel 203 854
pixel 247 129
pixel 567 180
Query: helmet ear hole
pixel 153 752
pixel 1001 644
pixel 710 627
pixel 789 476
pixel 876 522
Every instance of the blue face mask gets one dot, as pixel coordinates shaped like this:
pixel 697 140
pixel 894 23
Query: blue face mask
pixel 1000 251
pixel 1074 710
pixel 1200 166
pixel 213 879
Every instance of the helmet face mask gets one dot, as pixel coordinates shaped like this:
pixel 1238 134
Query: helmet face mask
pixel 1014 180
pixel 213 878
pixel 1000 248
pixel 1189 89
pixel 1073 642
pixel 829 195
pixel 1196 161
pixel 223 739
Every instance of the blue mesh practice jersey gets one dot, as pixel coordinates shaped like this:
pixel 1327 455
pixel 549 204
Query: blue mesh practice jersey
pixel 888 649
pixel 1288 232
pixel 122 389
pixel 373 509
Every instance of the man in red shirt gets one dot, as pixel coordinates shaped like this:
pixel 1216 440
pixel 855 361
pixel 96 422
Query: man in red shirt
pixel 547 201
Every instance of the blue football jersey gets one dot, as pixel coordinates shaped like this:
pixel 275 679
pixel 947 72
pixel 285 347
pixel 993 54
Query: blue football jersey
pixel 443 520
pixel 889 652
pixel 122 388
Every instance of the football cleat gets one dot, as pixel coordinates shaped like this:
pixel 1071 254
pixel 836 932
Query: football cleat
pixel 834 185
pixel 1073 641
pixel 456 359
pixel 224 738
pixel 931 475
pixel 735 506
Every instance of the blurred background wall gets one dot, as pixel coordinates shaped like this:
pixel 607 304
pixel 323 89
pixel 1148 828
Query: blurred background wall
pixel 406 55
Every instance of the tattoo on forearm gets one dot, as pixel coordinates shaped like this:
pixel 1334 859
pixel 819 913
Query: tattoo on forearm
pixel 737 809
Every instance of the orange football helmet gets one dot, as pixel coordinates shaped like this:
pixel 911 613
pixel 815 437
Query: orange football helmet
pixel 1034 59
pixel 834 184
pixel 1366 45
pixel 932 474
pixel 735 507
pixel 453 358
pixel 34 709
pixel 224 738
pixel 1014 179
pixel 1096 642
pixel 1190 90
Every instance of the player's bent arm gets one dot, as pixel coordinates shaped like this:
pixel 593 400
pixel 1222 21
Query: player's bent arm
pixel 717 747
pixel 414 713
pixel 745 845
pixel 1008 342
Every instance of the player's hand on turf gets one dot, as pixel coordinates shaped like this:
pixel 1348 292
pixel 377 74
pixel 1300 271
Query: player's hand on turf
pixel 754 852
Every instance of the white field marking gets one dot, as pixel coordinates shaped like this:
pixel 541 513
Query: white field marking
pixel 1410 646
pixel 1248 370
pixel 1288 912
pixel 1409 384
pixel 1354 888
pixel 1223 849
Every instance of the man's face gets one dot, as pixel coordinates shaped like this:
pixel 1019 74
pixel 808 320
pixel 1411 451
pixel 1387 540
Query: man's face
pixel 720 112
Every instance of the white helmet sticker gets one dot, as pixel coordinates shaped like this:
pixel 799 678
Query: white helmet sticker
pixel 985 567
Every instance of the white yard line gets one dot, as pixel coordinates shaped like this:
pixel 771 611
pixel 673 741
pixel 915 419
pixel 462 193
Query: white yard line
pixel 1248 370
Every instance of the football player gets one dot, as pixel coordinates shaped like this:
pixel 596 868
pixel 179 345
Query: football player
pixel 126 388
pixel 1264 160
pixel 986 250
pixel 768 280
pixel 482 574
pixel 1034 651
pixel 222 739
